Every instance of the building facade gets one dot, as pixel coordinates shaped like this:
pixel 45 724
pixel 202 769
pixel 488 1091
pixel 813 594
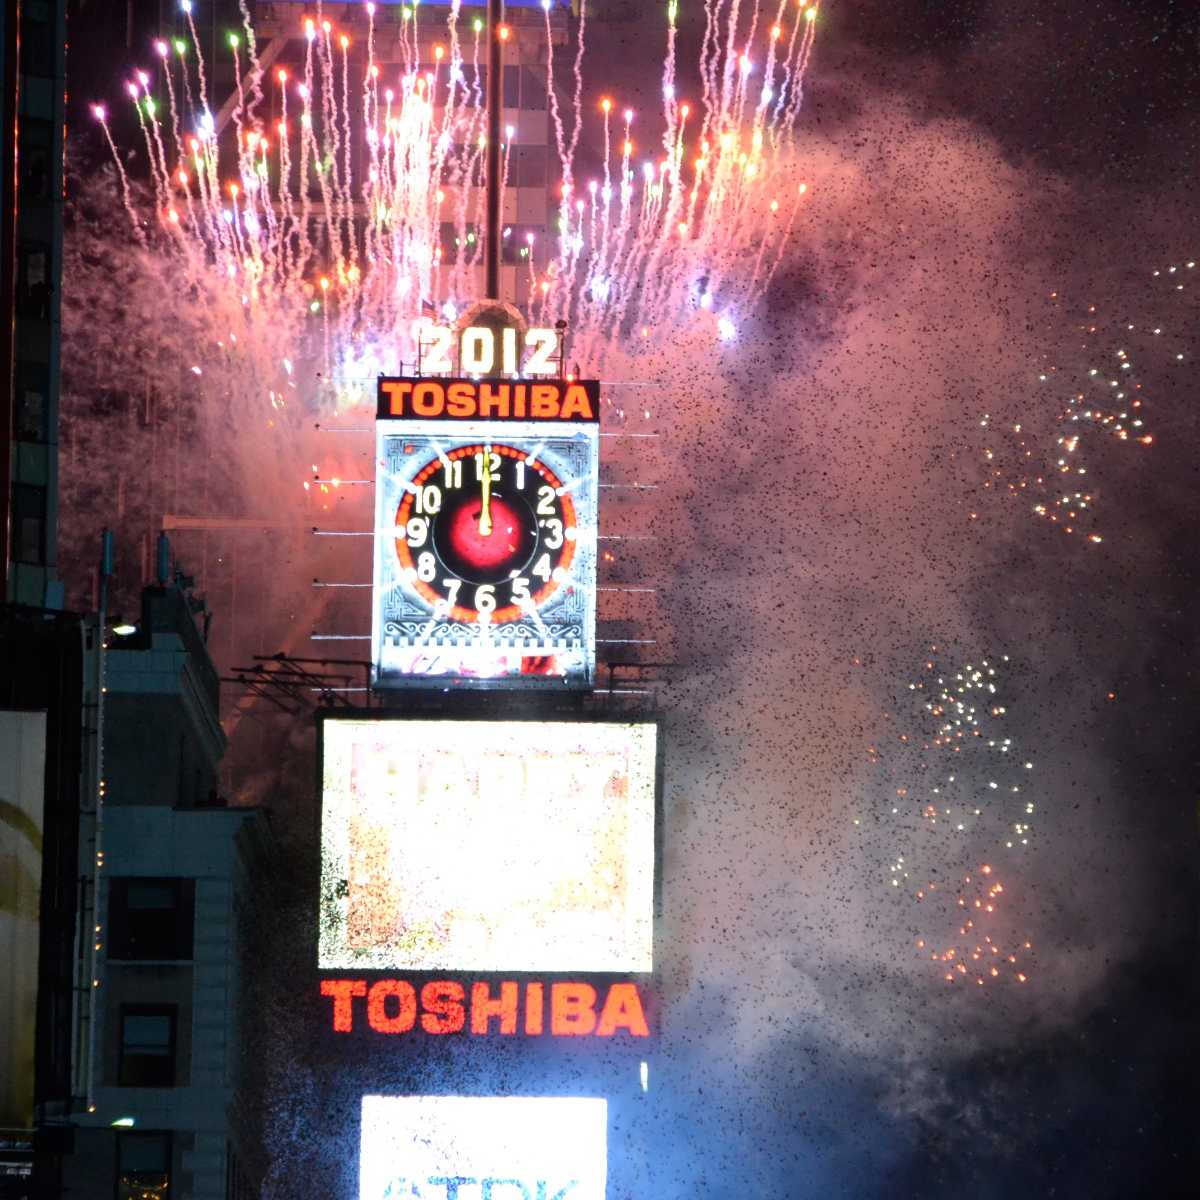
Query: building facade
pixel 157 1037
pixel 32 72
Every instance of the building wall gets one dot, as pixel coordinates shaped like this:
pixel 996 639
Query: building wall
pixel 29 298
pixel 157 842
pixel 173 963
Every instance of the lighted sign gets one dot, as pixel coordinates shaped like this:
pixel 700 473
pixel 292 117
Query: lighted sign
pixel 485 533
pixel 564 1008
pixel 482 350
pixel 492 399
pixel 487 846
pixel 483 1148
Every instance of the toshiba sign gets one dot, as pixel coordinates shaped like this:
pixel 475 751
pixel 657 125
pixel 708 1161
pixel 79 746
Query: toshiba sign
pixel 564 1008
pixel 490 400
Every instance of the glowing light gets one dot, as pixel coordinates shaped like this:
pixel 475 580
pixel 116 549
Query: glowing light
pixel 726 328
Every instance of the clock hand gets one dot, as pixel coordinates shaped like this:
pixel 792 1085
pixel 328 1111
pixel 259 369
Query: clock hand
pixel 485 512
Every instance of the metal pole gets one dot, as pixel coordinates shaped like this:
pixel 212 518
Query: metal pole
pixel 495 109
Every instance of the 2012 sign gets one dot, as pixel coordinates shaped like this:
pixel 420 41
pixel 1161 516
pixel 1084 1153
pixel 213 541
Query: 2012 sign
pixel 483 351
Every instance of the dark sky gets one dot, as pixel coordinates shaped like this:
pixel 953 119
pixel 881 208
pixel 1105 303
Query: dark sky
pixel 983 177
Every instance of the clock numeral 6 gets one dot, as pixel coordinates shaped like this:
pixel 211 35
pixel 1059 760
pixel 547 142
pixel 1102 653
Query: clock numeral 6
pixel 485 598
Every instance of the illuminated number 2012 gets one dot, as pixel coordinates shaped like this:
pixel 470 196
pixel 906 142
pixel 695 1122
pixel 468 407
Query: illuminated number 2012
pixel 478 353
pixel 542 343
pixel 435 357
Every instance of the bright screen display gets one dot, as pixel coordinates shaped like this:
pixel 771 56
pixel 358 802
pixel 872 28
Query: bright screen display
pixel 483 1148
pixel 487 846
pixel 485 553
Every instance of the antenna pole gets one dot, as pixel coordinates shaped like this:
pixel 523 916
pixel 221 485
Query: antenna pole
pixel 495 102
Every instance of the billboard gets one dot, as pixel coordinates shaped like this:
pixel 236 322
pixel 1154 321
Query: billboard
pixel 485 533
pixel 483 1147
pixel 22 785
pixel 489 846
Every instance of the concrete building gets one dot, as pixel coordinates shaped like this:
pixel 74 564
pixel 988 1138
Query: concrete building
pixel 32 82
pixel 157 1036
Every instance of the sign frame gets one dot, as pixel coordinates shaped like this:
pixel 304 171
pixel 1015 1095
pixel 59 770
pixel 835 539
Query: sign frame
pixel 473 707
pixel 450 607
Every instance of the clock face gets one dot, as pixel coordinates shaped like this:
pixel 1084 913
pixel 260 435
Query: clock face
pixel 486 532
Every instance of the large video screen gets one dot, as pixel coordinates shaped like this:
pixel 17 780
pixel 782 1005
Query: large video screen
pixel 483 1147
pixel 489 846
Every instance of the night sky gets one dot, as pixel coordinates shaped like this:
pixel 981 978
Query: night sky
pixel 988 183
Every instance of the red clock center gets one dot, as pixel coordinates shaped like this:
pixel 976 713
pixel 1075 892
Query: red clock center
pixel 486 551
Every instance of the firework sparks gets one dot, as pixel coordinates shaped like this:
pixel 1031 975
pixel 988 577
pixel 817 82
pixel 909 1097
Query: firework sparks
pixel 1096 397
pixel 961 792
pixel 348 215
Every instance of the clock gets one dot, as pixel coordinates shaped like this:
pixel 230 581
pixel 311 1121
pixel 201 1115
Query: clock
pixel 485 553
pixel 486 532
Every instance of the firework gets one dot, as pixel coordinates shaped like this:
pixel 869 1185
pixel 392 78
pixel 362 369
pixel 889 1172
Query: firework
pixel 1095 395
pixel 326 223
pixel 961 814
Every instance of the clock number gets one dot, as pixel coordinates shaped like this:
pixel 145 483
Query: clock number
pixel 545 505
pixel 426 567
pixel 435 349
pixel 477 350
pixel 542 344
pixel 417 530
pixel 485 598
pixel 542 567
pixel 452 470
pixel 508 351
pixel 520 591
pixel 429 499
pixel 521 474
pixel 451 586
pixel 554 536
pixel 493 469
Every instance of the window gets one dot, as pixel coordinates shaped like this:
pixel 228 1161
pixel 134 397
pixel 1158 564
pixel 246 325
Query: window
pixel 521 242
pixel 144 1166
pixel 33 281
pixel 147 1046
pixel 527 166
pixel 151 919
pixel 524 89
pixel 29 422
pixel 29 523
pixel 468 243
